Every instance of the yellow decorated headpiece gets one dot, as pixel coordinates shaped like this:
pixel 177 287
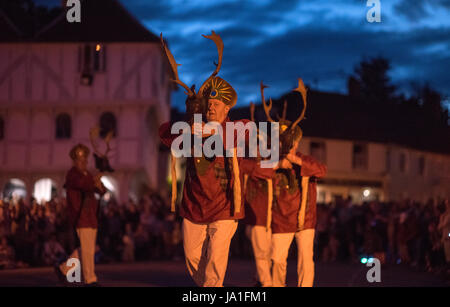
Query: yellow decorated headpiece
pixel 217 88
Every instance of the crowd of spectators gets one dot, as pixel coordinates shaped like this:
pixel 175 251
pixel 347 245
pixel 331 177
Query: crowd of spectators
pixel 40 235
pixel 394 232
pixel 403 232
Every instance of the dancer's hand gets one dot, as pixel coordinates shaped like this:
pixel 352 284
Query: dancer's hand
pixel 284 164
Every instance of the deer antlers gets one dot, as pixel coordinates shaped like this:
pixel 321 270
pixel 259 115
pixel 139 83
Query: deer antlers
pixel 189 91
pixel 302 90
pixel 219 44
pixel 252 111
pixel 94 134
pixel 174 66
pixel 283 117
pixel 267 108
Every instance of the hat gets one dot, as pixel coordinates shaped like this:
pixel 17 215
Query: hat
pixel 218 88
pixel 79 150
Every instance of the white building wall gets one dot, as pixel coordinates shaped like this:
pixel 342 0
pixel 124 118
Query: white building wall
pixel 39 81
pixel 395 185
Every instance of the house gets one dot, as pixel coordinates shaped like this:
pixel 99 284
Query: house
pixel 368 157
pixel 107 71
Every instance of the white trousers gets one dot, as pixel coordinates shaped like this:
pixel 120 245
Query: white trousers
pixel 281 243
pixel 206 249
pixel 305 261
pixel 87 237
pixel 261 239
pixel 280 249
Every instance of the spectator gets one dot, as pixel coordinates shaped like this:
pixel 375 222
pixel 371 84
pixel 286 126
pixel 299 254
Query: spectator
pixel 444 227
pixel 128 244
pixel 415 233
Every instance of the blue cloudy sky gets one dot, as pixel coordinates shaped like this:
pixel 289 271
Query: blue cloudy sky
pixel 321 41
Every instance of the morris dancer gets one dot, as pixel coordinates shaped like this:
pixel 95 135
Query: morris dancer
pixel 292 200
pixel 258 216
pixel 212 195
pixel 83 208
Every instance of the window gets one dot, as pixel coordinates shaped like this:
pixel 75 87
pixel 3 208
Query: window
pixel 360 156
pixel 421 165
pixel 318 151
pixel 108 123
pixel 92 58
pixel 2 128
pixel 63 126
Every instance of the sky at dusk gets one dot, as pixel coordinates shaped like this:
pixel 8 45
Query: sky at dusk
pixel 317 40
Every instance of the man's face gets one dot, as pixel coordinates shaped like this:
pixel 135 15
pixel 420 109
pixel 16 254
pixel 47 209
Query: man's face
pixel 217 110
pixel 81 163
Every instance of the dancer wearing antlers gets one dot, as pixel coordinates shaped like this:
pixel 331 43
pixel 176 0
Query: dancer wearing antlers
pixel 294 208
pixel 258 215
pixel 212 194
pixel 83 207
pixel 83 214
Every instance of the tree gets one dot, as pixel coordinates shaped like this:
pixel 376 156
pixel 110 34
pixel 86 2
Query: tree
pixel 434 113
pixel 371 76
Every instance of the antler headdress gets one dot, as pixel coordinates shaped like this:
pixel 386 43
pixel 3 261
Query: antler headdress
pixel 101 159
pixel 289 131
pixel 196 103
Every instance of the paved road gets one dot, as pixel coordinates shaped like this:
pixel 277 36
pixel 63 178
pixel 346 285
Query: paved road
pixel 239 274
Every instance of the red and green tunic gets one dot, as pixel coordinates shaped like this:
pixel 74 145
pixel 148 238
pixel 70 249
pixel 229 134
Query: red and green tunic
pixel 288 196
pixel 208 185
pixel 257 202
pixel 81 202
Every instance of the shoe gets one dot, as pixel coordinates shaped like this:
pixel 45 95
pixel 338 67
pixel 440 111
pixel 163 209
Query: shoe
pixel 92 284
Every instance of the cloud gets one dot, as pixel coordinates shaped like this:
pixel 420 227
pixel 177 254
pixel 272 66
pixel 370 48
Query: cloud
pixel 420 9
pixel 320 41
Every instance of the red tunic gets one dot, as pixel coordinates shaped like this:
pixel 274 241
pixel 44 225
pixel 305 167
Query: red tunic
pixel 256 202
pixel 81 201
pixel 311 168
pixel 208 185
pixel 287 195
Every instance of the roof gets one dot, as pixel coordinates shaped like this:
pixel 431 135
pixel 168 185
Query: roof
pixel 9 32
pixel 101 20
pixel 338 116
